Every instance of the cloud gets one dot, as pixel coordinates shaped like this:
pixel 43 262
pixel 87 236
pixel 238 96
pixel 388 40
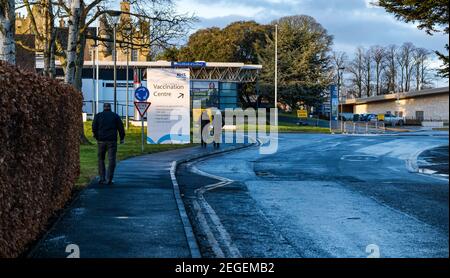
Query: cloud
pixel 353 23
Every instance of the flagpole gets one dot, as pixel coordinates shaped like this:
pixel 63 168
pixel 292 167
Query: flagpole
pixel 97 72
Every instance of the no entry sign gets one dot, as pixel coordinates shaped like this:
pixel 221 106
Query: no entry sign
pixel 142 107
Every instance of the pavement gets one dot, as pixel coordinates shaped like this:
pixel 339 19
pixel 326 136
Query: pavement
pixel 137 217
pixel 320 196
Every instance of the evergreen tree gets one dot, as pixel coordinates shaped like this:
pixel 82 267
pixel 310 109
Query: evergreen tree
pixel 304 61
pixel 234 43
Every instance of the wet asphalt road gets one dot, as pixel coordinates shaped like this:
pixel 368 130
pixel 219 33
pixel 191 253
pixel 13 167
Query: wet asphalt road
pixel 319 196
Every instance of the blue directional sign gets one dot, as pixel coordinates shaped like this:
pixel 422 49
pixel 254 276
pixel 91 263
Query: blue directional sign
pixel 189 64
pixel 334 101
pixel 142 93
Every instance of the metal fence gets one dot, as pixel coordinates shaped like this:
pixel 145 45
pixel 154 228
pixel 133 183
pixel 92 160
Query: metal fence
pixel 353 127
pixel 89 107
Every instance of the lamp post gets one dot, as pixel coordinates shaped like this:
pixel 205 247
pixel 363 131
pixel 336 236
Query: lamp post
pixel 339 97
pixel 115 16
pixel 97 74
pixel 128 32
pixel 115 68
pixel 94 99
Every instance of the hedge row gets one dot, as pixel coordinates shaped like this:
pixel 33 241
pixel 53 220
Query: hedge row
pixel 39 153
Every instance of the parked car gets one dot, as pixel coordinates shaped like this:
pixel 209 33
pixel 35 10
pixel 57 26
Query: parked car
pixel 362 117
pixel 366 117
pixel 393 120
pixel 371 118
pixel 346 116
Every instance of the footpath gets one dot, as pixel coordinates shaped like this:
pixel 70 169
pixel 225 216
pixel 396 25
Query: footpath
pixel 139 216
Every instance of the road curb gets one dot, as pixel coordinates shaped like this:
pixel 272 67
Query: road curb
pixel 411 162
pixel 189 233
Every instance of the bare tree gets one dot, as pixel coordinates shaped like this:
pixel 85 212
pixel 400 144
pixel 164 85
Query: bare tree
pixel 339 62
pixel 72 41
pixel 378 56
pixel 391 68
pixel 155 23
pixel 157 15
pixel 356 69
pixel 421 56
pixel 7 31
pixel 405 60
pixel 367 77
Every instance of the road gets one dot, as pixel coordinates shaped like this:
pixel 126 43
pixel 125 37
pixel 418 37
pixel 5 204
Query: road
pixel 320 196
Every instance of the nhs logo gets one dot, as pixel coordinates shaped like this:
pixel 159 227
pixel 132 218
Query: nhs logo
pixel 181 75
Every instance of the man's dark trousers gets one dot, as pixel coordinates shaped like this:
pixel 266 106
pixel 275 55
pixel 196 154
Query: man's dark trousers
pixel 103 148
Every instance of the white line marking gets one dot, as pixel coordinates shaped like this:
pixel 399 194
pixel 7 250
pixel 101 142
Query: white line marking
pixel 232 250
pixel 205 227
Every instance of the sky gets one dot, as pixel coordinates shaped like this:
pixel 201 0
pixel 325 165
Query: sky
pixel 352 23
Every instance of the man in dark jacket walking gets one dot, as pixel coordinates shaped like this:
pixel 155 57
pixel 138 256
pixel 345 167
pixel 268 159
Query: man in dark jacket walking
pixel 105 127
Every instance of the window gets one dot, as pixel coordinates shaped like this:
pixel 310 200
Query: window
pixel 88 54
pixel 134 55
pixel 420 115
pixel 228 95
pixel 206 92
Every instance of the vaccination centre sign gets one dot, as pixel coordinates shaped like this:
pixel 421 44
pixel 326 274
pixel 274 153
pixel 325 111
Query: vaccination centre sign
pixel 168 120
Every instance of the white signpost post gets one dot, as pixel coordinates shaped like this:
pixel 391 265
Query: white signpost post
pixel 168 122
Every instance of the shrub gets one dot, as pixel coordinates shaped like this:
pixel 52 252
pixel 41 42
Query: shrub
pixel 40 121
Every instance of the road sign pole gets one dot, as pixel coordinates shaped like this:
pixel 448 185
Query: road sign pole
pixel 142 130
pixel 142 94
pixel 142 107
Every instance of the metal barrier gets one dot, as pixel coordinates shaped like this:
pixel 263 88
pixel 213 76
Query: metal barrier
pixel 89 108
pixel 351 127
